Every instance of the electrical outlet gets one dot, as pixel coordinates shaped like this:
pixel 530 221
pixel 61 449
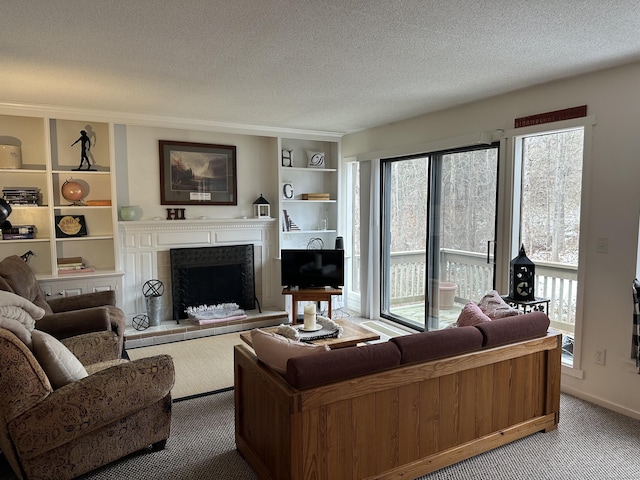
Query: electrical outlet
pixel 601 355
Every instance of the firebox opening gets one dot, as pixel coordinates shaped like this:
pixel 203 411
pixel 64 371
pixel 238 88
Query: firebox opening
pixel 212 275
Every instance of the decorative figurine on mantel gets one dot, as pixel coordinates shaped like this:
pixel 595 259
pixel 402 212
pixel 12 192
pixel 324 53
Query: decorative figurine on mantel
pixel 85 143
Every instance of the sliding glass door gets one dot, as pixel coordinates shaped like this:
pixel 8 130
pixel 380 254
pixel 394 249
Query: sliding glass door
pixel 439 223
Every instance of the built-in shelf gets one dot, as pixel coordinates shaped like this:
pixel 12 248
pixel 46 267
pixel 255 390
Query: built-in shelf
pixel 304 219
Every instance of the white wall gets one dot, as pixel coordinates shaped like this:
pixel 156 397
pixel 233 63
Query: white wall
pixel 612 207
pixel 257 159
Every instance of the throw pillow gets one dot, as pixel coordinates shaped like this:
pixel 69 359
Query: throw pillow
pixel 493 306
pixel 315 159
pixel 275 350
pixel 57 361
pixel 471 315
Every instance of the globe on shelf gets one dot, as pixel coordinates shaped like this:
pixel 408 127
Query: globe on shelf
pixel 73 192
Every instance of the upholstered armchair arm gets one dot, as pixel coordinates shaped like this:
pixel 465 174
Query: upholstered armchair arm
pixel 94 347
pixel 86 300
pixel 76 322
pixel 91 403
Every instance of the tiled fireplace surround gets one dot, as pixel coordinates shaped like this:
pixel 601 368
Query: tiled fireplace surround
pixel 145 256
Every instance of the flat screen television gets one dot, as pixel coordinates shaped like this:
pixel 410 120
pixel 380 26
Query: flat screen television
pixel 312 268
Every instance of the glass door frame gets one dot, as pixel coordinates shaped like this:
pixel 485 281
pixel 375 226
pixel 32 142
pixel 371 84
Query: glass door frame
pixel 432 235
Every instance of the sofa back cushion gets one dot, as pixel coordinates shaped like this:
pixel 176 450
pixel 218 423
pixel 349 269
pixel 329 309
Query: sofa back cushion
pixel 421 347
pixel 513 329
pixel 341 364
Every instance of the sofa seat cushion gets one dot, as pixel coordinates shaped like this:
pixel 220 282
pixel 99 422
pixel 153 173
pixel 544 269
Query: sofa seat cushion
pixel 57 361
pixel 341 364
pixel 425 346
pixel 471 315
pixel 513 329
pixel 275 350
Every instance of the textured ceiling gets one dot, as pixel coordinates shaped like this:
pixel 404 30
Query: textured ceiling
pixel 329 65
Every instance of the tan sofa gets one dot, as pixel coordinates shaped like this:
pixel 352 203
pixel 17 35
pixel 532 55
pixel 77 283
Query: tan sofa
pixel 117 408
pixel 64 317
pixel 398 409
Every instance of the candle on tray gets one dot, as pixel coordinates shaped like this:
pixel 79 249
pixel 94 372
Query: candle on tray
pixel 309 316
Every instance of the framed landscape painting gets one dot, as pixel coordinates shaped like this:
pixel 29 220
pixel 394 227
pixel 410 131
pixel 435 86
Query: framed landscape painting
pixel 197 174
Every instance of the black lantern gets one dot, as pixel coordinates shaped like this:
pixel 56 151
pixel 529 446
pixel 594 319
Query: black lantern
pixel 522 274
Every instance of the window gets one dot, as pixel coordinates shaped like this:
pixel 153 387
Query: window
pixel 548 220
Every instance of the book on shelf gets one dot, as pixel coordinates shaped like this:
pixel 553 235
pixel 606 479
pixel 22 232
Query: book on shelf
pixel 74 271
pixel 70 261
pixel 316 196
pixel 18 236
pixel 71 267
pixel 71 264
pixel 18 232
pixel 19 229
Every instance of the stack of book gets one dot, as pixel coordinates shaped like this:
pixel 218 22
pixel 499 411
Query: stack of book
pixel 22 195
pixel 73 265
pixel 18 232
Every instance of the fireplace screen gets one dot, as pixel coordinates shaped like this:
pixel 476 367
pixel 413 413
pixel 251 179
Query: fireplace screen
pixel 212 275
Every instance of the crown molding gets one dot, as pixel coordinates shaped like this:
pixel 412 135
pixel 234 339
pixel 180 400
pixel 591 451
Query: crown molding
pixel 144 120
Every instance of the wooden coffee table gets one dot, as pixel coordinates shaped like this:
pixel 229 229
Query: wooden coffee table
pixel 352 335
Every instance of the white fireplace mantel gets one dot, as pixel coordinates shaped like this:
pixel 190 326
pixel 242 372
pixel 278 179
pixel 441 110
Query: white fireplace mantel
pixel 145 249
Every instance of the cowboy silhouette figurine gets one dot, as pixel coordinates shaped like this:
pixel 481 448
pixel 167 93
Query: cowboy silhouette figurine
pixel 86 148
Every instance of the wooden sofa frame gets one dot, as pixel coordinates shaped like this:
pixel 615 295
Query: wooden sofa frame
pixel 399 423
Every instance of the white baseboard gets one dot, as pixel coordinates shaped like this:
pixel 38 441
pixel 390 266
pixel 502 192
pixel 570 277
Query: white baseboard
pixel 600 401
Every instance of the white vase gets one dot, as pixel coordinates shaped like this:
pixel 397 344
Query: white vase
pixel 10 156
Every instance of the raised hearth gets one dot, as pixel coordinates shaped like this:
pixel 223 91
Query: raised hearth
pixel 170 331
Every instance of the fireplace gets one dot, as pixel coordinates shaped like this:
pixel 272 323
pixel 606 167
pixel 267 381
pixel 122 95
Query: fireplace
pixel 212 275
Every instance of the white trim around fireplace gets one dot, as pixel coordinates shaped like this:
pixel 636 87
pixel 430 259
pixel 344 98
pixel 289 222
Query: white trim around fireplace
pixel 145 249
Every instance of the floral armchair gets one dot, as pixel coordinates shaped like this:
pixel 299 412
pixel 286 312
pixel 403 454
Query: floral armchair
pixel 69 407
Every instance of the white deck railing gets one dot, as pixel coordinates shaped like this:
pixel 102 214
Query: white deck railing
pixel 473 275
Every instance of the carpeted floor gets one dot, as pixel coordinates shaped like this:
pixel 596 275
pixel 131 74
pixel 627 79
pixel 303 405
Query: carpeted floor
pixel 201 446
pixel 202 364
pixel 590 443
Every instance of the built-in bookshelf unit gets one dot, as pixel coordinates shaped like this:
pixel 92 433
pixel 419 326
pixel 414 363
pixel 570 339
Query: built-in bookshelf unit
pixel 49 158
pixel 308 193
